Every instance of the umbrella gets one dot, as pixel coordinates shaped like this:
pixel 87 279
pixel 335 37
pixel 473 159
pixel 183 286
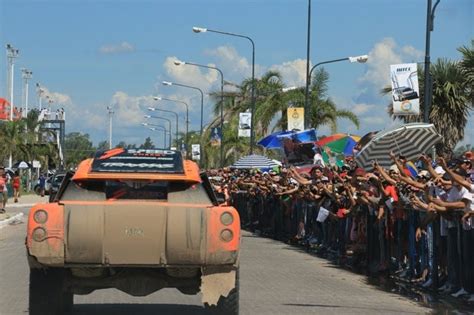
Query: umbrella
pixel 272 141
pixel 410 140
pixel 22 165
pixel 9 172
pixel 339 143
pixel 254 161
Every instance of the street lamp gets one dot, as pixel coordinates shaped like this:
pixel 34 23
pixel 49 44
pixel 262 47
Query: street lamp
pixel 171 112
pixel 157 117
pixel 168 83
pixel 358 59
pixel 157 98
pixel 180 63
pixel 12 53
pixel 154 128
pixel 197 29
pixel 40 92
pixel 26 75
pixel 110 111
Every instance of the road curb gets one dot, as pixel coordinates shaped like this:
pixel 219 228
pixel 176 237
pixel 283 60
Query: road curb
pixel 6 222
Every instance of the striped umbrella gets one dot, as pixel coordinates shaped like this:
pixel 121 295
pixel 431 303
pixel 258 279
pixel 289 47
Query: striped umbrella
pixel 254 161
pixel 410 140
pixel 340 143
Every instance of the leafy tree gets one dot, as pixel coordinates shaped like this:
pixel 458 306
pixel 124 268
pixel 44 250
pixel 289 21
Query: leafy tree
pixel 148 144
pixel 77 147
pixel 103 145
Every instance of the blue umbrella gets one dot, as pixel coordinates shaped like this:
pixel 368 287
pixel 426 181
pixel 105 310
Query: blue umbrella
pixel 273 141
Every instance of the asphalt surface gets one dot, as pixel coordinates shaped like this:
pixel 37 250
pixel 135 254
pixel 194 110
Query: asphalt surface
pixel 275 279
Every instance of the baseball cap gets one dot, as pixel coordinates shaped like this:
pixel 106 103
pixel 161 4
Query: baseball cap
pixel 359 171
pixel 423 173
pixel 324 179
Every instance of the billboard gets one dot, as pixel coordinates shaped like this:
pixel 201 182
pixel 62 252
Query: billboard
pixel 196 152
pixel 244 124
pixel 405 91
pixel 216 136
pixel 295 118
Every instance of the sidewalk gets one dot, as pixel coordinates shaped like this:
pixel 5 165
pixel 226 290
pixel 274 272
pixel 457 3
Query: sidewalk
pixel 12 214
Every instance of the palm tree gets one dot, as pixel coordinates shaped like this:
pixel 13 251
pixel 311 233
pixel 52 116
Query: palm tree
pixel 467 67
pixel 450 103
pixel 13 140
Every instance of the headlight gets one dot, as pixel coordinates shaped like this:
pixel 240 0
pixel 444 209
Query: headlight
pixel 227 218
pixel 227 235
pixel 39 234
pixel 40 216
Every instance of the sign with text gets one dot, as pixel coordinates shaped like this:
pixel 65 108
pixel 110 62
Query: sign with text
pixel 216 136
pixel 405 91
pixel 295 118
pixel 245 120
pixel 196 152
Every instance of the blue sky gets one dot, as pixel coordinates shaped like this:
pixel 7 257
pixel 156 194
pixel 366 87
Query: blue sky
pixel 90 54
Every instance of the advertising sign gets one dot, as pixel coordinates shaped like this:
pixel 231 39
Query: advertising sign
pixel 216 136
pixel 196 152
pixel 405 91
pixel 295 118
pixel 244 124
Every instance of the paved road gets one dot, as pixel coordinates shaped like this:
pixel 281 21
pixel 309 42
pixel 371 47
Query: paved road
pixel 275 279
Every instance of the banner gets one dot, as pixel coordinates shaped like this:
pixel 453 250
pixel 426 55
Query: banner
pixel 244 124
pixel 216 136
pixel 405 91
pixel 295 118
pixel 196 152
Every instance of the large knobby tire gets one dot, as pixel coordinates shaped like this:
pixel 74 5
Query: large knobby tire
pixel 47 296
pixel 228 305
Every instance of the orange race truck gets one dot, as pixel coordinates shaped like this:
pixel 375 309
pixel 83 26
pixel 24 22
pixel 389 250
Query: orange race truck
pixel 138 221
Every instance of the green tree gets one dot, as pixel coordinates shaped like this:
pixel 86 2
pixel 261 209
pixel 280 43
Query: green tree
pixel 148 144
pixel 77 147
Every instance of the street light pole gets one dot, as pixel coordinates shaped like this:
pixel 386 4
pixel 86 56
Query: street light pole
pixel 428 82
pixel 156 98
pixel 26 74
pixel 154 126
pixel 12 53
pixel 111 113
pixel 168 111
pixel 169 125
pixel 252 134
pixel 40 92
pixel 306 97
pixel 178 63
pixel 359 59
pixel 194 88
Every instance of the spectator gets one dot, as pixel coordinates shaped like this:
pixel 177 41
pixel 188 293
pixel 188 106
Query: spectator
pixel 16 186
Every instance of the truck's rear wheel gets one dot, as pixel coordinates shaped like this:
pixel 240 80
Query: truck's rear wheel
pixel 228 305
pixel 46 292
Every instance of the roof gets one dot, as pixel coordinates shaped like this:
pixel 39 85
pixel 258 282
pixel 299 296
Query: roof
pixel 136 164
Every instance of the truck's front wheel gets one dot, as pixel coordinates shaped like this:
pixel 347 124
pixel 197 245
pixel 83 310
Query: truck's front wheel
pixel 46 292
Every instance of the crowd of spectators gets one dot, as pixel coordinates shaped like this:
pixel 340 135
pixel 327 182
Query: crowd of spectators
pixel 417 227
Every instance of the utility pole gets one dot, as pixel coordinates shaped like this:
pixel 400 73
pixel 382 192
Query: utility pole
pixel 40 92
pixel 111 113
pixel 308 45
pixel 428 81
pixel 26 74
pixel 12 53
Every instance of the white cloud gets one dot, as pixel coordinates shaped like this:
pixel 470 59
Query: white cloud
pixel 191 75
pixel 360 109
pixel 123 47
pixel 293 72
pixel 385 53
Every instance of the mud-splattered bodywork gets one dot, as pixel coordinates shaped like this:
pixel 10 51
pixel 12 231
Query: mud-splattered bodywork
pixel 181 239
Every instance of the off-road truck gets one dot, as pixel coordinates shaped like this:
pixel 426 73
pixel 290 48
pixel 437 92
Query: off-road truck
pixel 137 221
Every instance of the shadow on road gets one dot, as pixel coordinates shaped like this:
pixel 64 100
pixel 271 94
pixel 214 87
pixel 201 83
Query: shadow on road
pixel 142 309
